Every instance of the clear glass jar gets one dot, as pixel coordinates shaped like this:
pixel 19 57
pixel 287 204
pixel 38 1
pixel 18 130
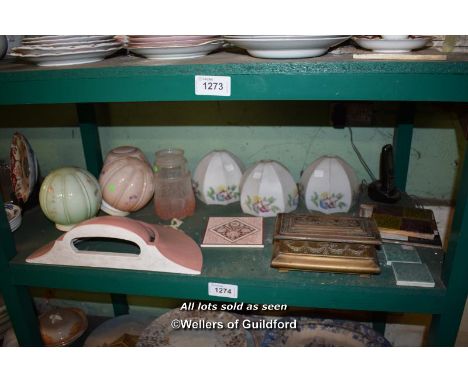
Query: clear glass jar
pixel 173 192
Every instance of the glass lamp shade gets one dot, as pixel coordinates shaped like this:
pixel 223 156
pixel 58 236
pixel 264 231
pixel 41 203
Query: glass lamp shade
pixel 124 152
pixel 329 185
pixel 127 185
pixel 217 178
pixel 267 188
pixel 70 195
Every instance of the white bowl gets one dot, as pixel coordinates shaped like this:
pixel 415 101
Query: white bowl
pixel 287 47
pixel 395 36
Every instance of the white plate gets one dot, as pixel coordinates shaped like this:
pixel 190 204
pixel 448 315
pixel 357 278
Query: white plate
pixel 170 53
pixel 161 333
pixel 171 44
pixel 282 37
pixel 288 47
pixel 43 40
pixel 40 49
pixel 59 45
pixel 159 39
pixel 61 59
pixel 392 46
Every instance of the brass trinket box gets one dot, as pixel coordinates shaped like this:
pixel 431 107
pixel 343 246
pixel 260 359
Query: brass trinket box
pixel 325 243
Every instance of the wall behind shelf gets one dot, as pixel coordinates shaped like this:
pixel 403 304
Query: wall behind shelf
pixel 294 133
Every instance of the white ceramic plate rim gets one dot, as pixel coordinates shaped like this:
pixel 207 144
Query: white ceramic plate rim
pixel 173 44
pixel 392 45
pixel 214 42
pixel 115 49
pixel 286 39
pixel 98 44
pixel 66 38
pixel 282 37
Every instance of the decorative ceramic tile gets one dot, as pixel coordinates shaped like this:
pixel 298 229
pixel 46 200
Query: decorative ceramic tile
pixel 395 253
pixel 234 232
pixel 411 274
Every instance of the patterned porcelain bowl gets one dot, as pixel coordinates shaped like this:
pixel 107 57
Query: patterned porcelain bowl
pixel 267 188
pixel 212 330
pixel 127 185
pixel 70 195
pixel 316 332
pixel 23 166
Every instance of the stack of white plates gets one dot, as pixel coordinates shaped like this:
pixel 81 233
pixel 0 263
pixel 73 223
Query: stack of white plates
pixel 173 47
pixel 5 323
pixel 13 213
pixel 66 50
pixel 285 46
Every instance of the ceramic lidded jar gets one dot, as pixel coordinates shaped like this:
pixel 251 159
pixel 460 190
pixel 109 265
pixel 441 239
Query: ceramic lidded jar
pixel 62 326
pixel 217 178
pixel 267 188
pixel 124 152
pixel 329 185
pixel 127 185
pixel 70 195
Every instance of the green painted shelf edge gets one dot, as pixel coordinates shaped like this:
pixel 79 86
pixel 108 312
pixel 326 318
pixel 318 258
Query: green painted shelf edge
pixel 127 79
pixel 247 268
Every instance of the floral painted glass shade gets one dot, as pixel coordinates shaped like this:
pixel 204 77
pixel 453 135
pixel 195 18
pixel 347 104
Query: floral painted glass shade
pixel 127 185
pixel 217 178
pixel 267 188
pixel 329 185
pixel 70 195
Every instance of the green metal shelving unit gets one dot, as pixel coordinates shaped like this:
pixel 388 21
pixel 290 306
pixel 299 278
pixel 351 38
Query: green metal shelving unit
pixel 334 78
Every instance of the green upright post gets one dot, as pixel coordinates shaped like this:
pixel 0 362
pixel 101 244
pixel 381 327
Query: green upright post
pixel 120 304
pixel 18 301
pixel 379 321
pixel 444 328
pixel 93 156
pixel 90 137
pixel 402 143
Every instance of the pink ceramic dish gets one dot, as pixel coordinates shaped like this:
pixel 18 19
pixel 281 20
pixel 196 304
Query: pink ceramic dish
pixel 162 249
pixel 127 185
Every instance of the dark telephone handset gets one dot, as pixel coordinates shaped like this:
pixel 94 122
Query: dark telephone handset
pixel 384 189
